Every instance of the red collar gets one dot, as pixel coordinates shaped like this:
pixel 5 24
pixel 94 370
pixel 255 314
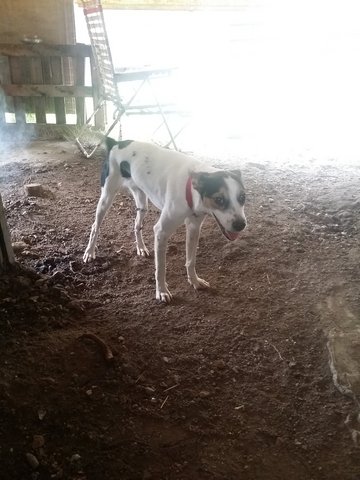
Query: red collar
pixel 188 192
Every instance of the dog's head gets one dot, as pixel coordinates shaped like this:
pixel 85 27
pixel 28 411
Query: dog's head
pixel 222 194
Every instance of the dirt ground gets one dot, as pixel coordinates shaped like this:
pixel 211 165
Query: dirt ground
pixel 232 383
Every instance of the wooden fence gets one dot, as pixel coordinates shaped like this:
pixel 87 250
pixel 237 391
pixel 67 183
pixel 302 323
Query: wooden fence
pixel 44 85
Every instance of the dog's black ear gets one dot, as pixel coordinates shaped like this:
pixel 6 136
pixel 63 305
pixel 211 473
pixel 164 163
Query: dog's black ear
pixel 110 142
pixel 199 181
pixel 207 183
pixel 236 174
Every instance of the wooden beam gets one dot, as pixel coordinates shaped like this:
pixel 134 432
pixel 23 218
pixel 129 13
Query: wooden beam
pixel 47 91
pixel 42 50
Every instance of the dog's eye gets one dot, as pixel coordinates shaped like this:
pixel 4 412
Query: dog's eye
pixel 241 198
pixel 220 201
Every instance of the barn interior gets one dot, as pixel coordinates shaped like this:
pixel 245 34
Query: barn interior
pixel 257 377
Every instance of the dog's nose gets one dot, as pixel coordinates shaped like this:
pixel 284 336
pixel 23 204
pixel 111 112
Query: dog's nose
pixel 238 224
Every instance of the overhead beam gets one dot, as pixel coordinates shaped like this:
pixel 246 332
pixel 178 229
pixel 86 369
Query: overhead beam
pixel 46 91
pixel 172 4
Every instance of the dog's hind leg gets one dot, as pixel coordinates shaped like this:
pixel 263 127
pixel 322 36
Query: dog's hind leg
pixel 141 202
pixel 107 196
pixel 193 227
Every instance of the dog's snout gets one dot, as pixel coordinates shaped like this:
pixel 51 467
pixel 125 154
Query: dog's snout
pixel 239 224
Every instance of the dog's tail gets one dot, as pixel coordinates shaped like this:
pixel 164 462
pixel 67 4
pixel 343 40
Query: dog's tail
pixel 124 165
pixel 110 143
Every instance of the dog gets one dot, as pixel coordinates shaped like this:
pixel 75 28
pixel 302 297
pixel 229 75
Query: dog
pixel 182 188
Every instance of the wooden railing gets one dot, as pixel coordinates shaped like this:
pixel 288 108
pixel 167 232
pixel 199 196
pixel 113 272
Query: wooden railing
pixel 44 85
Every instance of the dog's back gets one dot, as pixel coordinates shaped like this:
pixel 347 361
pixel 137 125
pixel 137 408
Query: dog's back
pixel 157 171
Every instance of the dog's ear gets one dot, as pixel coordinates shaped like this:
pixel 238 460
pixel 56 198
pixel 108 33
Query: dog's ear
pixel 236 174
pixel 199 181
pixel 110 142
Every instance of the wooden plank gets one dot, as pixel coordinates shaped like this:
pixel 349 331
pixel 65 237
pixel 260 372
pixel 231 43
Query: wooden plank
pixel 42 50
pixel 6 252
pixel 4 78
pixel 100 116
pixel 56 67
pixel 36 76
pixel 47 77
pixel 16 77
pixel 79 73
pixel 47 91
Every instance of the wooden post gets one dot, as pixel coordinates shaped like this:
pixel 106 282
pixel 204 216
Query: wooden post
pixel 36 78
pixel 79 74
pixel 6 252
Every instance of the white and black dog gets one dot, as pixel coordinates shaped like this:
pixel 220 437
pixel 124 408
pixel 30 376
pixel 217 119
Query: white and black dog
pixel 184 189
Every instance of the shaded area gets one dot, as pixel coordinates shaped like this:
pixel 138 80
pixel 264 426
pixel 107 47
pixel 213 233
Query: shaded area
pixel 227 383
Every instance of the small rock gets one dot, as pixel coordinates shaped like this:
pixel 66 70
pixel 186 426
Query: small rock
pixel 41 413
pixel 220 364
pixel 19 247
pixel 75 458
pixel 38 442
pixel 32 461
pixel 149 390
pixel 204 394
pixel 77 305
pixel 34 190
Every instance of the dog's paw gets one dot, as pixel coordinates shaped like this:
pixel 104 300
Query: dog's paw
pixel 198 283
pixel 88 256
pixel 143 252
pixel 163 297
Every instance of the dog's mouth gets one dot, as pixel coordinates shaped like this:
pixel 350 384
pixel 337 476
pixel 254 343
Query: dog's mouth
pixel 229 235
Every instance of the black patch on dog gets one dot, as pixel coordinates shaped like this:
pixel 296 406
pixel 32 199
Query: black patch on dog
pixel 241 198
pixel 105 171
pixel 125 169
pixel 124 143
pixel 208 183
pixel 110 143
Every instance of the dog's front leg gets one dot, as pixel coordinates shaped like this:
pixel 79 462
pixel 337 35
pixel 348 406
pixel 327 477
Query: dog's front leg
pixel 162 231
pixel 193 227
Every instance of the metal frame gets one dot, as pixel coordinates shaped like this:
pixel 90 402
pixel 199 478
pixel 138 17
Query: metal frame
pixel 108 79
pixel 104 69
